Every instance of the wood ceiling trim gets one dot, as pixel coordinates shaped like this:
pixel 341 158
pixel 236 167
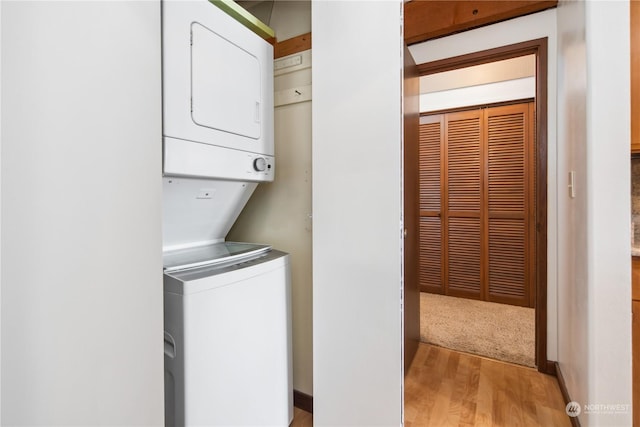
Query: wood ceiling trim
pixel 484 57
pixel 430 19
pixel 292 45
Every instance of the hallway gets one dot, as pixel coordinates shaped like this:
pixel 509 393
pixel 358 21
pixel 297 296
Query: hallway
pixel 444 387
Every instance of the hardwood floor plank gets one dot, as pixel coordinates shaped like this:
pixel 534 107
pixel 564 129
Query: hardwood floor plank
pixel 517 397
pixel 545 414
pixel 484 400
pixel 439 414
pixel 531 395
pixel 453 360
pixel 467 390
pixel 468 413
pixel 301 418
pixel 448 388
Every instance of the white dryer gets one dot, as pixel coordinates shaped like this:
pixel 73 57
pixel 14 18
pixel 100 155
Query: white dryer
pixel 217 95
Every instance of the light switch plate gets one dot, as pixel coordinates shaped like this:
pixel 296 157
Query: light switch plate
pixel 572 185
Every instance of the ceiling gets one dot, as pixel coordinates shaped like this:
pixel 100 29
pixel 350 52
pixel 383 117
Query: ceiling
pixel 425 20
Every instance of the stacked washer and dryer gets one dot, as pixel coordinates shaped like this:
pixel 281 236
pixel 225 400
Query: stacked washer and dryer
pixel 227 305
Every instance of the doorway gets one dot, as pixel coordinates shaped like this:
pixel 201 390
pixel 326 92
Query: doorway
pixel 537 274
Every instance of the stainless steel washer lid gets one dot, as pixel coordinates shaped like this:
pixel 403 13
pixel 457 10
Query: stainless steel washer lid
pixel 217 253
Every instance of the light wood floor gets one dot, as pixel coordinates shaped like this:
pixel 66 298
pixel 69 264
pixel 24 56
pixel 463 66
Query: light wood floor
pixel 448 388
pixel 301 418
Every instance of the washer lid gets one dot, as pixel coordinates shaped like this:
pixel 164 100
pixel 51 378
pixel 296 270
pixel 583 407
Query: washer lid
pixel 217 253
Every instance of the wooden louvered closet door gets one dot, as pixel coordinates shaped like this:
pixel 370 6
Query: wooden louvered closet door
pixel 463 204
pixel 510 173
pixel 431 261
pixel 477 204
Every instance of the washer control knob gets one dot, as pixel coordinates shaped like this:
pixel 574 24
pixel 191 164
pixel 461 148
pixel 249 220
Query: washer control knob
pixel 260 164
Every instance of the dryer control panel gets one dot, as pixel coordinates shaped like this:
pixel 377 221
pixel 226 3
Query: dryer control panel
pixel 184 158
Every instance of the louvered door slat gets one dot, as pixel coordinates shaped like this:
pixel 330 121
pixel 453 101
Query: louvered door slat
pixel 431 255
pixel 463 161
pixel 506 161
pixel 464 257
pixel 507 274
pixel 508 192
pixel 430 140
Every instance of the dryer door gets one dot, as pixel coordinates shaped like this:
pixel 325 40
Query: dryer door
pixel 217 79
pixel 225 84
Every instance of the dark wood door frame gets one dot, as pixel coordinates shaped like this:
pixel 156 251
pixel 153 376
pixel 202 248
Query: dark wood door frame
pixel 411 143
pixel 537 47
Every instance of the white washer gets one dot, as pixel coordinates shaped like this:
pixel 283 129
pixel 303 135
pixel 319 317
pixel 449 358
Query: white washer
pixel 227 336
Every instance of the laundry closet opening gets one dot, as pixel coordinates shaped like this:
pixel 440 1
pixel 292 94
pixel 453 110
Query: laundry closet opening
pixel 482 249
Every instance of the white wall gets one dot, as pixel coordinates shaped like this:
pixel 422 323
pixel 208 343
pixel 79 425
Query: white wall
pixel 595 293
pixel 573 294
pixel 81 206
pixel 491 72
pixel 0 214
pixel 535 26
pixel 357 199
pixel 290 18
pixel 609 212
pixel 489 93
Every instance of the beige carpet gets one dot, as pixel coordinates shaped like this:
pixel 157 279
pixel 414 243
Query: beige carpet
pixel 499 331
